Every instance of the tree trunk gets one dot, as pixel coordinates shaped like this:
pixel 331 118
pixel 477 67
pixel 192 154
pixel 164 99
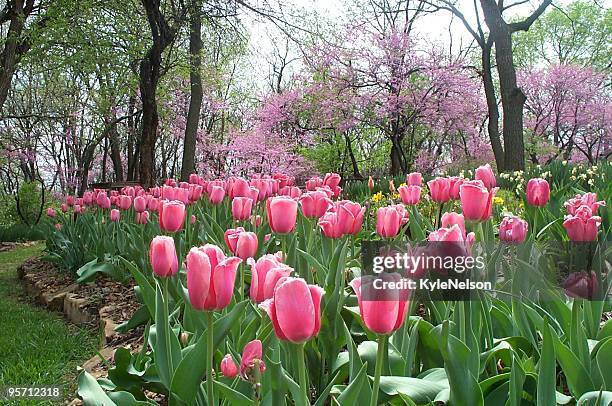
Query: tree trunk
pixel 512 97
pixel 493 122
pixel 396 158
pixel 16 43
pixel 195 102
pixel 115 149
pixel 150 73
pixel 349 150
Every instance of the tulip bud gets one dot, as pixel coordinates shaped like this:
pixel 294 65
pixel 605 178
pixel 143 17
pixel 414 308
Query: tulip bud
pixel 476 200
pixel 51 212
pixel 485 174
pixel 439 189
pixel 265 273
pixel 370 183
pixel 228 367
pixel 162 256
pixel 410 194
pixel 115 215
pixel 140 204
pixel 414 179
pixel 210 277
pixel 295 309
pixel 241 243
pixel 241 208
pixel 171 216
pixel 282 214
pixel 513 230
pixel 382 310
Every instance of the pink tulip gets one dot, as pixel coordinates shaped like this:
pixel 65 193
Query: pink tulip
pixel 587 199
pixel 216 195
pixel 252 352
pixel 194 178
pixel 182 195
pixel 162 256
pixel 389 220
pixel 538 192
pixel 265 273
pixel 410 194
pixel 77 209
pixel 414 179
pixel 103 201
pixel 454 186
pixel 142 218
pixel 241 208
pixel 195 192
pixel 314 204
pixel 70 200
pixel 295 309
pixel 140 204
pixel 581 285
pixel 64 207
pixel 332 180
pixel 241 243
pixel 210 277
pixel 58 226
pixel 452 234
pixel 228 366
pixel 439 188
pixel 350 216
pixel 283 180
pixel 382 310
pixel 313 183
pixel 171 216
pixel 240 188
pixel 371 184
pixel 87 198
pixel 476 200
pixel 193 219
pixel 330 225
pixel 256 220
pixel 51 212
pixel 513 230
pixel 153 204
pixel 115 215
pixel 485 174
pixel 113 200
pixel 124 202
pixel 291 191
pixel 452 218
pixel 583 225
pixel 282 214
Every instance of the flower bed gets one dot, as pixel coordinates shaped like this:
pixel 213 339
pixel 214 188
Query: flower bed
pixel 257 291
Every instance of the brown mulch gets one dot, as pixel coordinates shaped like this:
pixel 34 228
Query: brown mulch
pixel 8 246
pixel 118 301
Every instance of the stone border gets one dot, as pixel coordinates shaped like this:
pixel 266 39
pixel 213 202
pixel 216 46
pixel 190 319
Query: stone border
pixel 77 310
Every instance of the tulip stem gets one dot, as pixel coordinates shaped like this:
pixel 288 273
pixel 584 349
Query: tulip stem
pixel 302 374
pixel 167 312
pixel 209 361
pixel 380 354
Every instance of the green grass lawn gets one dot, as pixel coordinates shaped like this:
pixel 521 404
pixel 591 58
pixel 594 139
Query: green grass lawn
pixel 37 347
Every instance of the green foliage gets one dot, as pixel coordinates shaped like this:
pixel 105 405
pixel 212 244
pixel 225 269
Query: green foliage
pixel 578 33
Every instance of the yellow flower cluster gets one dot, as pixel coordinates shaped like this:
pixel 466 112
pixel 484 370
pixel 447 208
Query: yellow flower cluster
pixel 498 200
pixel 377 197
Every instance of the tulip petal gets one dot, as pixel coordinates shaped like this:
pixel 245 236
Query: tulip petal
pixel 295 309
